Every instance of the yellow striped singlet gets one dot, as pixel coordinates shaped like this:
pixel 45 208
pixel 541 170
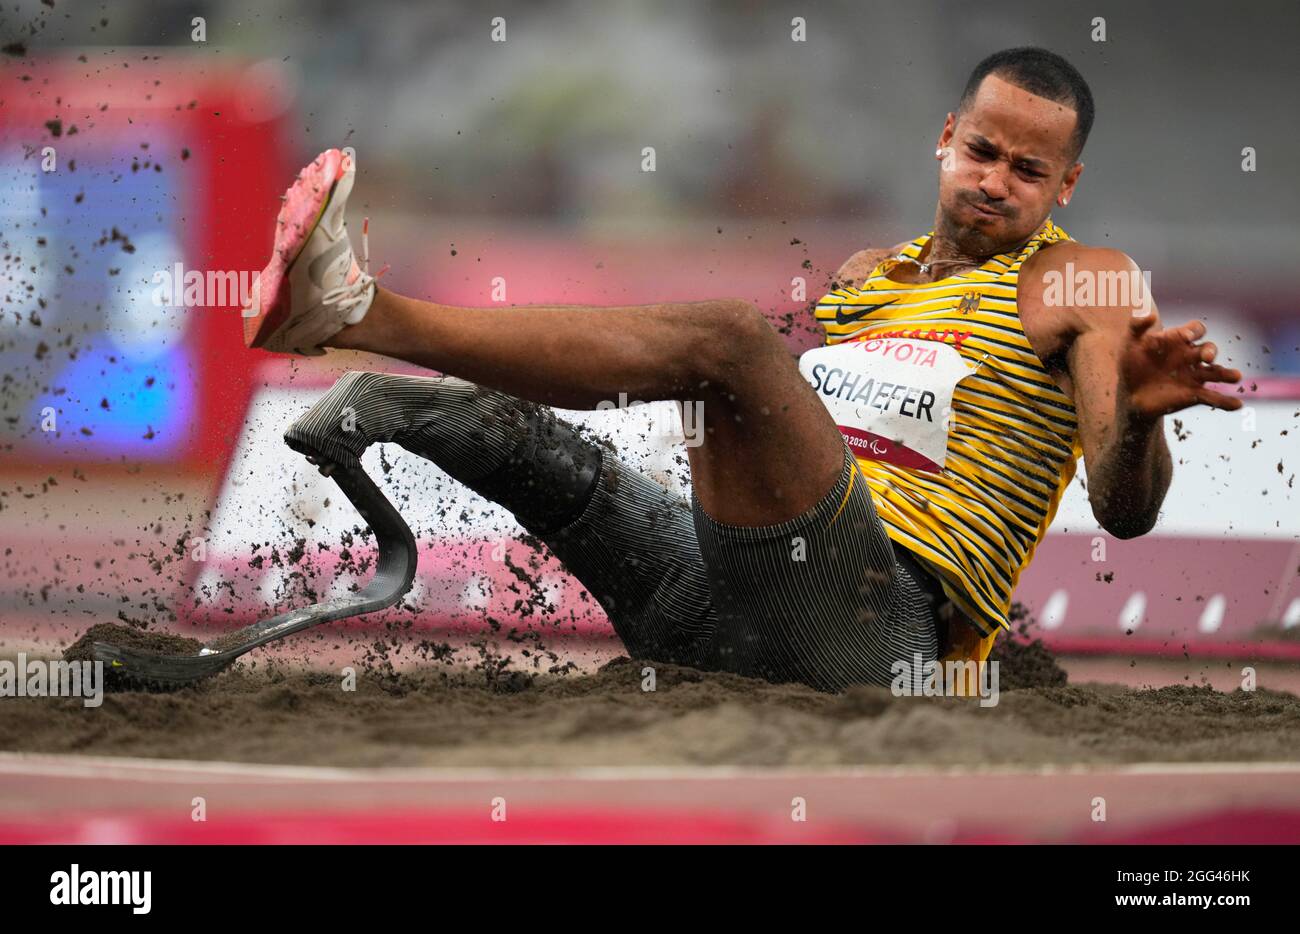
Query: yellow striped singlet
pixel 1013 439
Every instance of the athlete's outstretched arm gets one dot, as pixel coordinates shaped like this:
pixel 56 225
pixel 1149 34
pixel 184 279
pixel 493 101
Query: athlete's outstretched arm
pixel 1127 373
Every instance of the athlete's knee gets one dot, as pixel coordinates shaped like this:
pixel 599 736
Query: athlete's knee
pixel 547 474
pixel 741 339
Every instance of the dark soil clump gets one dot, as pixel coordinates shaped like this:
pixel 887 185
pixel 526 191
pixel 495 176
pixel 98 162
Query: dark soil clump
pixel 1023 660
pixel 129 637
pixel 135 639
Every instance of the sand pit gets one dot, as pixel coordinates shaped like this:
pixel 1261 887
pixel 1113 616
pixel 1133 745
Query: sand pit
pixel 437 709
pixel 450 716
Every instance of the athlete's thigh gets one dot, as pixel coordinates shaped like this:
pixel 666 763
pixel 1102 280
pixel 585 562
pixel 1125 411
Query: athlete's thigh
pixel 634 549
pixel 818 599
pixel 769 448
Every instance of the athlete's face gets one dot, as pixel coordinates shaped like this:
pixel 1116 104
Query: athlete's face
pixel 1004 164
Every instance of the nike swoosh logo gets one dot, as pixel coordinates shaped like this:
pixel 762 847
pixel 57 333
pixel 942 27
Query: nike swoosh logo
pixel 860 311
pixel 321 263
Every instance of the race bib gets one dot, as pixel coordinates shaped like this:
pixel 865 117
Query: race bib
pixel 890 397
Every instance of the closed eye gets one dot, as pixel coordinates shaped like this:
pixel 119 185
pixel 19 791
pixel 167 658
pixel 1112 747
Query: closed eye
pixel 1025 170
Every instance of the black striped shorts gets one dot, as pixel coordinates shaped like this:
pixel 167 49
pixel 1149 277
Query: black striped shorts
pixel 824 599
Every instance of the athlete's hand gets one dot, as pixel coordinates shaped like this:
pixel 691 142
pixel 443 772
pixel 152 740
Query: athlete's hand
pixel 1165 370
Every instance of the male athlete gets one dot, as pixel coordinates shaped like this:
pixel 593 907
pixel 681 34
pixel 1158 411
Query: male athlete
pixel 874 501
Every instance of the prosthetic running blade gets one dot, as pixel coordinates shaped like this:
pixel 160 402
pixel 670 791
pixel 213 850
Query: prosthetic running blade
pixel 394 574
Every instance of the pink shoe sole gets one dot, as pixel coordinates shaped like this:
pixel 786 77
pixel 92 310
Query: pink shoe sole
pixel 304 204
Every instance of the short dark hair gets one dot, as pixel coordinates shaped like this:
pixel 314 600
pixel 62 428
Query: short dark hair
pixel 1044 74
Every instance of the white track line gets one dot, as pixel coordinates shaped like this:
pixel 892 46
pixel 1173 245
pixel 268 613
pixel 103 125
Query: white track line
pixel 109 768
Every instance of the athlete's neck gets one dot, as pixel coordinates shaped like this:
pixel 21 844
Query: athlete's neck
pixel 945 255
pixel 944 252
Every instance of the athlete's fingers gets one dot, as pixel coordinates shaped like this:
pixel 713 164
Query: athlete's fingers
pixel 1187 355
pixel 1213 373
pixel 1140 324
pixel 1176 351
pixel 1191 331
pixel 1181 349
pixel 1217 400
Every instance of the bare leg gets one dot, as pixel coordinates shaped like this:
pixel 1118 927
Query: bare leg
pixel 770 449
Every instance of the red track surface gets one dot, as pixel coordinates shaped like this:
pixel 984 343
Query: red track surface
pixel 49 799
